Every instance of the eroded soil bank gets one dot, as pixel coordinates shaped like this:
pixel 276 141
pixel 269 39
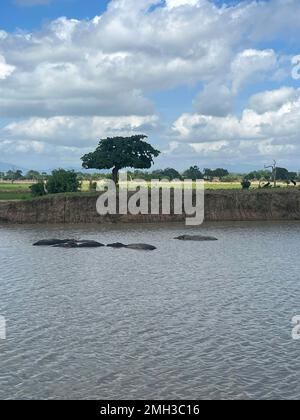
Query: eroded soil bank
pixel 225 205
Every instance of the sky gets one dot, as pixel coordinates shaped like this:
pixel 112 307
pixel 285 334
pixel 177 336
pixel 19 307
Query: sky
pixel 212 83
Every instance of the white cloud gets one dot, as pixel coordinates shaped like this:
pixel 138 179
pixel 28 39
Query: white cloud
pixel 107 66
pixel 5 69
pixel 256 135
pixel 3 35
pixel 273 100
pixel 61 141
pixel 77 131
pixel 10 147
pixel 196 128
pixel 208 148
pixel 74 81
pixel 177 3
pixel 252 65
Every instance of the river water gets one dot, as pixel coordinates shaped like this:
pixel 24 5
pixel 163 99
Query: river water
pixel 189 321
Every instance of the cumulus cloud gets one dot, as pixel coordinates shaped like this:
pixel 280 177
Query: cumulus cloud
pixel 5 69
pixel 63 140
pixel 252 65
pixel 247 67
pixel 177 3
pixel 252 138
pixel 107 66
pixel 77 131
pixel 71 81
pixel 282 124
pixel 273 100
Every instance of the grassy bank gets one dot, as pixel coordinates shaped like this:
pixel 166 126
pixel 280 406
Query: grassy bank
pixel 21 191
pixel 14 187
pixel 5 196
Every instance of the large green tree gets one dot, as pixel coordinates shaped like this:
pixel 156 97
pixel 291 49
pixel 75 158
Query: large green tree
pixel 121 152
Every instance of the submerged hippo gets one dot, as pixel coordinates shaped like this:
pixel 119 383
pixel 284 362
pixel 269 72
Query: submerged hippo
pixel 141 247
pixel 51 242
pixel 68 243
pixel 199 238
pixel 117 245
pixel 89 244
pixel 79 244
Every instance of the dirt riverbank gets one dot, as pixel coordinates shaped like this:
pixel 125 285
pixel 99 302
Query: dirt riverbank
pixel 220 205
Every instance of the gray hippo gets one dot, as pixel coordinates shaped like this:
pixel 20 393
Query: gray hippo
pixel 68 243
pixel 79 244
pixel 198 238
pixel 89 244
pixel 51 242
pixel 116 245
pixel 139 247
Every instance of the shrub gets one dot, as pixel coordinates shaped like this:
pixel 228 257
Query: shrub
pixel 38 190
pixel 62 181
pixel 246 184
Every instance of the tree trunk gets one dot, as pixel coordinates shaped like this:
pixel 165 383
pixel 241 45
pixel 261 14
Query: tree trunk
pixel 115 175
pixel 275 177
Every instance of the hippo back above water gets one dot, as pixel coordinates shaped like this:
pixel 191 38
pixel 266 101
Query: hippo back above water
pixel 50 242
pixel 141 247
pixel 68 243
pixel 197 238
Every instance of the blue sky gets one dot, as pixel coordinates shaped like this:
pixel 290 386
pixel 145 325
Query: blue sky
pixel 210 83
pixel 32 16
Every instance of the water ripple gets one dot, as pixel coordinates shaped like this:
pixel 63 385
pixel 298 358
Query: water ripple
pixel 188 321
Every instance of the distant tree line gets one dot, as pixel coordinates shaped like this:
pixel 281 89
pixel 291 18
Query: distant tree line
pixel 118 153
pixel 194 172
pixel 17 175
pixel 282 174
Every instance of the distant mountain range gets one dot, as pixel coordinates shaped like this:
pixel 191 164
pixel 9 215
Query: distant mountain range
pixel 4 167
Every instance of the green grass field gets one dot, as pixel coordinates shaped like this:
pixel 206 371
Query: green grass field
pixel 14 187
pixel 21 191
pixel 17 191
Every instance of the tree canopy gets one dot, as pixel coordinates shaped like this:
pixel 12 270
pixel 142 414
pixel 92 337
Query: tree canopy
pixel 121 152
pixel 209 174
pixel 260 175
pixel 62 181
pixel 168 173
pixel 14 175
pixel 282 174
pixel 193 173
pixel 35 175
